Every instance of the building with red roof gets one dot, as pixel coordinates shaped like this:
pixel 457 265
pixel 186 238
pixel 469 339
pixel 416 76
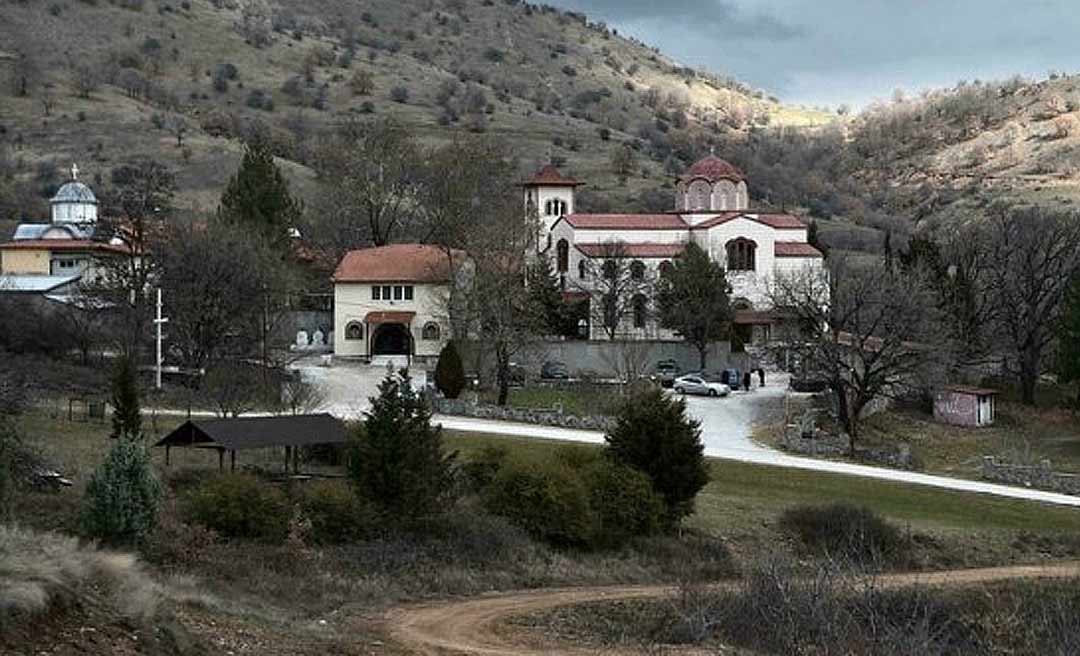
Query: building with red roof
pixel 712 209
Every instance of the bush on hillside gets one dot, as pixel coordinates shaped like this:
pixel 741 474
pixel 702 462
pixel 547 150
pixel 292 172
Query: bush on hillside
pixel 239 506
pixel 548 499
pixel 449 372
pixel 846 532
pixel 123 496
pixel 625 502
pixel 653 434
pixel 337 515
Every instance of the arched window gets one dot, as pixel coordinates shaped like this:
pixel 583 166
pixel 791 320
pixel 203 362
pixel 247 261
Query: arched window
pixel 555 207
pixel 430 332
pixel 741 255
pixel 665 268
pixel 562 256
pixel 354 331
pixel 582 269
pixel 641 308
pixel 637 270
pixel 700 195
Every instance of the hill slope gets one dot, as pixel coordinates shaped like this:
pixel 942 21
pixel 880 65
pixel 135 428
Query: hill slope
pixel 107 81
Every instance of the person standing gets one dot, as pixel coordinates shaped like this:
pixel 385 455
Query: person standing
pixel 746 381
pixel 761 376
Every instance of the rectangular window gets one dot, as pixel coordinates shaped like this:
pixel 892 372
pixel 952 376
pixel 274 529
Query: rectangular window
pixel 399 292
pixel 375 293
pixel 386 292
pixel 408 293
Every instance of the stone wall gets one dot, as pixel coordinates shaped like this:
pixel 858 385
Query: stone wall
pixel 1040 476
pixel 804 440
pixel 553 417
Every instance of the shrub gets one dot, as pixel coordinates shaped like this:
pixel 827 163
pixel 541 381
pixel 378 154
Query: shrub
pixel 449 372
pixel 625 502
pixel 239 506
pixel 123 496
pixel 397 461
pixel 399 94
pixel 337 515
pixel 847 532
pixel 547 499
pixel 362 83
pixel 653 434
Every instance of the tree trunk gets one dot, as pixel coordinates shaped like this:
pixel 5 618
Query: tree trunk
pixel 1029 375
pixel 703 351
pixel 502 375
pixel 843 412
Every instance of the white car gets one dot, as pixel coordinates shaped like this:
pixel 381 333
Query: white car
pixel 695 384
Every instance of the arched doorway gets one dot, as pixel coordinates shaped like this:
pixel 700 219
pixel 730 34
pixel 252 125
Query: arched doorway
pixel 391 339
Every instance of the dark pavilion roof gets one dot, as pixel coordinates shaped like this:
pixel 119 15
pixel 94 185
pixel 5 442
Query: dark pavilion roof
pixel 242 433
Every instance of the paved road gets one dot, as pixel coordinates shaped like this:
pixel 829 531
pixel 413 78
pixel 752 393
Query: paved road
pixel 726 428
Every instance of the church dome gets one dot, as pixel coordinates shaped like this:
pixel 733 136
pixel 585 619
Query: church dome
pixel 74 192
pixel 713 169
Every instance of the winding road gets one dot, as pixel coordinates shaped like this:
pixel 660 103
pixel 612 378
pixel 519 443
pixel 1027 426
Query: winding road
pixel 472 626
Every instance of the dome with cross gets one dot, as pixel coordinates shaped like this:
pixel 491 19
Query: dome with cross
pixel 74 202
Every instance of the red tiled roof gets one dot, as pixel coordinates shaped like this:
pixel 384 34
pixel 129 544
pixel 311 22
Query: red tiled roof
pixel 712 168
pixel 396 263
pixel 775 221
pixel 626 222
pixel 389 317
pixel 968 389
pixel 648 250
pixel 795 249
pixel 550 175
pixel 63 245
pixel 753 317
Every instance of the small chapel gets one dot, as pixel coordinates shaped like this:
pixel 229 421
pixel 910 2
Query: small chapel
pixel 712 209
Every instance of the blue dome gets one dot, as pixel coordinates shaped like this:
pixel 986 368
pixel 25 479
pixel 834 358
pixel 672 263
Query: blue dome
pixel 74 192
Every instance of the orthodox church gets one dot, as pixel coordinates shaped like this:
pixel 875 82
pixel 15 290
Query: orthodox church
pixel 712 209
pixel 52 258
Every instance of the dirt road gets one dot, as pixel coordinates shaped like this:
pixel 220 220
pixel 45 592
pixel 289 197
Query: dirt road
pixel 469 626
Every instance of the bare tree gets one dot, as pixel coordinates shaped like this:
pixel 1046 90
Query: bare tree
pixel 177 126
pixel 232 387
pixel 1020 262
pixel 48 100
pixel 617 287
pixel 868 331
pixel 300 396
pixel 25 73
pixel 84 79
pixel 370 175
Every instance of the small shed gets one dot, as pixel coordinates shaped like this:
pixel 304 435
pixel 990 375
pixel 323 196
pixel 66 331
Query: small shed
pixel 962 405
pixel 238 434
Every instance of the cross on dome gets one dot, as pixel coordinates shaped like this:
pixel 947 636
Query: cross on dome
pixel 74 171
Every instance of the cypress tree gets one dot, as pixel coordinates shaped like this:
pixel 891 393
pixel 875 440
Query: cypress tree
pixel 449 372
pixel 127 415
pixel 258 195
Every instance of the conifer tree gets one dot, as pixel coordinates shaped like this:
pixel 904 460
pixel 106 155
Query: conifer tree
pixel 397 460
pixel 449 372
pixel 545 294
pixel 693 299
pixel 127 415
pixel 258 195
pixel 1069 337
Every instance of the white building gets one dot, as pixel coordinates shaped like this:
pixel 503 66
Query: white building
pixel 392 301
pixel 712 210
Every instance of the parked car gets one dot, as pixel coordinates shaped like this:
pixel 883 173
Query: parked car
pixel 732 378
pixel 666 373
pixel 554 371
pixel 696 384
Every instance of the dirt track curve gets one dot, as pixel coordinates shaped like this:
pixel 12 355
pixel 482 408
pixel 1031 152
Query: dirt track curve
pixel 469 626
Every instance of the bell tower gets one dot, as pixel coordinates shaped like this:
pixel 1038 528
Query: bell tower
pixel 551 196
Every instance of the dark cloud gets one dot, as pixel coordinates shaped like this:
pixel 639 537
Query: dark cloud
pixel 853 51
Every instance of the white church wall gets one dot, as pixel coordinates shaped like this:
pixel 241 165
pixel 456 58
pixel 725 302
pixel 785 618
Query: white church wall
pixel 353 302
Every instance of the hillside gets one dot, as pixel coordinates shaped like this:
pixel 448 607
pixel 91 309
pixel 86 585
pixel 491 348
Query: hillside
pixel 107 81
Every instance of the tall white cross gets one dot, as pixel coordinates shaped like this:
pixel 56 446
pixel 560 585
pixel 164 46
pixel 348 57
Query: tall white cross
pixel 74 171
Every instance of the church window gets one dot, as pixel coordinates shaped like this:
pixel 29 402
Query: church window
pixel 555 207
pixel 741 255
pixel 637 270
pixel 699 196
pixel 354 331
pixel 641 306
pixel 562 256
pixel 376 293
pixel 430 332
pixel 582 269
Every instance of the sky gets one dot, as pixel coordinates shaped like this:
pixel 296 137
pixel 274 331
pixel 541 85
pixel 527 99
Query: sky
pixel 828 52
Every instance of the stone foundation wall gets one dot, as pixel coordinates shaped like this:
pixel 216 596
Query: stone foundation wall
pixel 1040 476
pixel 818 444
pixel 463 408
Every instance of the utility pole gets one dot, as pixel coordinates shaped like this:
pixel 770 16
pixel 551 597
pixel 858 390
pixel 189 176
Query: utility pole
pixel 158 322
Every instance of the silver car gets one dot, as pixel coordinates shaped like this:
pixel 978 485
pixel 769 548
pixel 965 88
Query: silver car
pixel 697 384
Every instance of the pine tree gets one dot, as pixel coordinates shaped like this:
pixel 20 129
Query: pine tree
pixel 127 415
pixel 653 434
pixel 258 195
pixel 449 372
pixel 397 461
pixel 123 496
pixel 546 296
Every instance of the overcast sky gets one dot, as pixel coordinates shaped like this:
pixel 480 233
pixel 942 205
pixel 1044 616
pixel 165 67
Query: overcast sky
pixel 853 51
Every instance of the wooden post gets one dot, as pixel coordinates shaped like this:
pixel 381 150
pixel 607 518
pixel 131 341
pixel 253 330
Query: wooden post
pixel 296 460
pixel 166 455
pixel 232 460
pixel 287 449
pixel 221 459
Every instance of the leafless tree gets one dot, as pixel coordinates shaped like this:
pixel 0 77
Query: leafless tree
pixel 370 175
pixel 232 387
pixel 84 79
pixel 132 82
pixel 869 331
pixel 617 286
pixel 299 396
pixel 177 126
pixel 48 100
pixel 1019 261
pixel 25 73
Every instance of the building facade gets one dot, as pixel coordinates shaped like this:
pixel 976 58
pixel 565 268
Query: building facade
pixel 393 301
pixel 712 210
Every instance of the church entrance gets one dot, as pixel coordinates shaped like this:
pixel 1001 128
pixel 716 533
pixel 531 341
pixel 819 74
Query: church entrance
pixel 391 339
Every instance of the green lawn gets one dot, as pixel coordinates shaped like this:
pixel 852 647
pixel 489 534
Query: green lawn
pixel 576 400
